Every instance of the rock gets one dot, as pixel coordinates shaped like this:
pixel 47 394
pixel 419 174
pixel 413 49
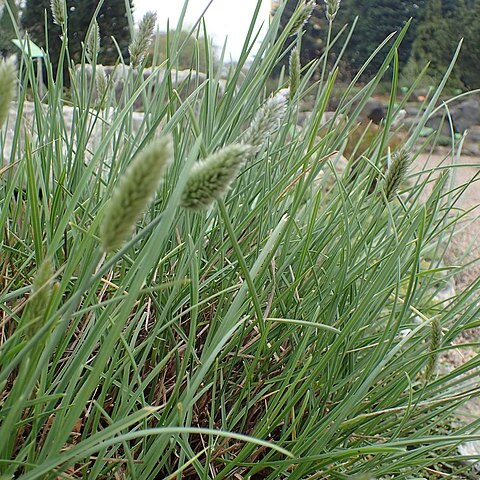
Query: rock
pixel 101 124
pixel 447 293
pixel 471 449
pixel 466 114
pixel 184 81
pixel 440 122
pixel 375 111
pixel 304 118
pixel 472 141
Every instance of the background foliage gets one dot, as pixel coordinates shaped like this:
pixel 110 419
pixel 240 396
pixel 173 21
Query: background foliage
pixel 436 28
pixel 112 20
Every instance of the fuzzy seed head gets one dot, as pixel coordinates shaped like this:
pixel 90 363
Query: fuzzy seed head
pixel 396 173
pixel 332 8
pixel 142 39
pixel 101 85
pixel 134 192
pixel 210 179
pixel 435 343
pixel 59 11
pixel 305 11
pixel 295 68
pixel 8 81
pixel 267 121
pixel 92 42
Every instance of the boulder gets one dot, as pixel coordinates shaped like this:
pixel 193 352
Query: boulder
pixel 472 141
pixel 100 121
pixel 466 114
pixel 184 81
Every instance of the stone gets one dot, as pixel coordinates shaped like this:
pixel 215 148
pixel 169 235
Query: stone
pixel 184 81
pixel 466 114
pixel 471 449
pixel 472 141
pixel 29 124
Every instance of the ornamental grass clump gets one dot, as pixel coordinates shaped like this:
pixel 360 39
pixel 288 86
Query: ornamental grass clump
pixel 142 40
pixel 8 82
pixel 210 179
pixel 290 331
pixel 134 192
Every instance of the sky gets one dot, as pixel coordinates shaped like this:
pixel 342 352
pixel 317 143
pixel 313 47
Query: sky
pixel 224 18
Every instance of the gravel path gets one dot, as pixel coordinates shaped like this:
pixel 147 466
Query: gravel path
pixel 465 246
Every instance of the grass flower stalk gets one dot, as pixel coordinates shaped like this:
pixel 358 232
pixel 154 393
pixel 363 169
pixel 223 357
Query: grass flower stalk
pixel 295 68
pixel 59 12
pixel 266 121
pixel 101 85
pixel 92 42
pixel 435 342
pixel 134 192
pixel 210 179
pixel 396 173
pixel 305 11
pixel 332 8
pixel 142 39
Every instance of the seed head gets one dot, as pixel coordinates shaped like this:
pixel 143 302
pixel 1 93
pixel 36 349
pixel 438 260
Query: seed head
pixel 92 42
pixel 333 6
pixel 101 84
pixel 266 121
pixel 59 11
pixel 435 343
pixel 396 173
pixel 142 39
pixel 134 192
pixel 295 68
pixel 211 178
pixel 8 81
pixel 305 11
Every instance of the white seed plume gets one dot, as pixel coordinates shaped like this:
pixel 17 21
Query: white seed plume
pixel 142 39
pixel 295 68
pixel 266 121
pixel 333 6
pixel 210 179
pixel 92 42
pixel 304 13
pixel 134 192
pixel 59 11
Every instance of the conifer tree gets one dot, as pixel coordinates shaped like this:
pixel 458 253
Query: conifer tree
pixel 112 20
pixel 377 19
pixel 312 41
pixel 444 24
pixel 7 31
